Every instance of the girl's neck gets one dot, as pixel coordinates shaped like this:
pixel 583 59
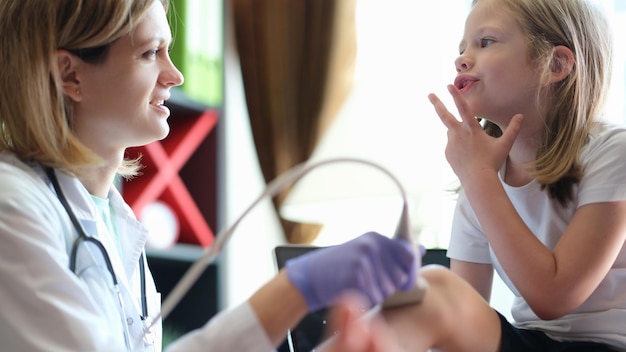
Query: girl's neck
pixel 517 174
pixel 523 152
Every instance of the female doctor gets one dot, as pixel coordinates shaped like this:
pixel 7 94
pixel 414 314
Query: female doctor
pixel 80 82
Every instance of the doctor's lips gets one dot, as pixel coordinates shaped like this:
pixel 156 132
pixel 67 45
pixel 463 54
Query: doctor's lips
pixel 464 82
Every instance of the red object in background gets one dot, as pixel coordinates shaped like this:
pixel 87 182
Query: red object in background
pixel 161 179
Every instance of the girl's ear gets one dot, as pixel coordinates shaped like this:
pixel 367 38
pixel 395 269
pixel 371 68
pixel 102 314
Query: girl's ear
pixel 67 64
pixel 562 63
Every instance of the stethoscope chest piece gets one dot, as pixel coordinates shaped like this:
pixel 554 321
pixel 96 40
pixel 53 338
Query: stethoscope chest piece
pixel 149 336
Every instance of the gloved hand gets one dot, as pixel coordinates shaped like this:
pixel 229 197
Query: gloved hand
pixel 371 264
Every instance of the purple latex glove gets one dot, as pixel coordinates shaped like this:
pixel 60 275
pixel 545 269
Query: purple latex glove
pixel 371 264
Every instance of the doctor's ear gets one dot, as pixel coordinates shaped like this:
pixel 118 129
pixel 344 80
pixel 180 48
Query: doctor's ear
pixel 67 64
pixel 562 63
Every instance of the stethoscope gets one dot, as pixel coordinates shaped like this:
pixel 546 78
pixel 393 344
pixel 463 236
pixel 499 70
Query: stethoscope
pixel 83 238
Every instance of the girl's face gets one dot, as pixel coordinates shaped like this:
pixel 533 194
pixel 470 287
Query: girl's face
pixel 494 71
pixel 121 100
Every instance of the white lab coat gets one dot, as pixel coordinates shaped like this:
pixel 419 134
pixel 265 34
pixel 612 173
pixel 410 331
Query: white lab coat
pixel 47 307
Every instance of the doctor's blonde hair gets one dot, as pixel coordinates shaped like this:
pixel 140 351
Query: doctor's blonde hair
pixel 574 103
pixel 35 116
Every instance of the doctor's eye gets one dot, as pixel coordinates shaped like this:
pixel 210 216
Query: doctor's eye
pixel 152 53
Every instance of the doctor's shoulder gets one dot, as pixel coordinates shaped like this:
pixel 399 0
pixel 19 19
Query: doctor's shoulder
pixel 25 195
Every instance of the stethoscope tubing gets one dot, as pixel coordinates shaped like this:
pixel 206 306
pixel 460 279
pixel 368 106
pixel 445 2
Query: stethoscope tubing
pixel 84 238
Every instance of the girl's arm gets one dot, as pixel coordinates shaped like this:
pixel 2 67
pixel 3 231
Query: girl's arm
pixel 555 282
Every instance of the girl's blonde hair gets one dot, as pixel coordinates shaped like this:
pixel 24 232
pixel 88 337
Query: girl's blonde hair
pixel 574 103
pixel 35 116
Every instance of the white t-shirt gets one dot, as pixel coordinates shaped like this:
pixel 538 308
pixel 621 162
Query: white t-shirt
pixel 602 317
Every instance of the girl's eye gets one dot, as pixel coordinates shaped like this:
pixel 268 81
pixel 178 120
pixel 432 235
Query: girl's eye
pixel 484 42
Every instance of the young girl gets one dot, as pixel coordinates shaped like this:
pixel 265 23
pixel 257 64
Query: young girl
pixel 543 197
pixel 80 82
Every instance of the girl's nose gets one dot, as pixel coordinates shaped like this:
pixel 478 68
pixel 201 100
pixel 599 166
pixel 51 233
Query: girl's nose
pixel 463 63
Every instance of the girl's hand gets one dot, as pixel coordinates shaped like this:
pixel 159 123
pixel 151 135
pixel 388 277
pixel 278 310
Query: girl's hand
pixel 470 151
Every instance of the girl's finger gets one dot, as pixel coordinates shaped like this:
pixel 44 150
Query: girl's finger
pixel 461 104
pixel 510 133
pixel 444 115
